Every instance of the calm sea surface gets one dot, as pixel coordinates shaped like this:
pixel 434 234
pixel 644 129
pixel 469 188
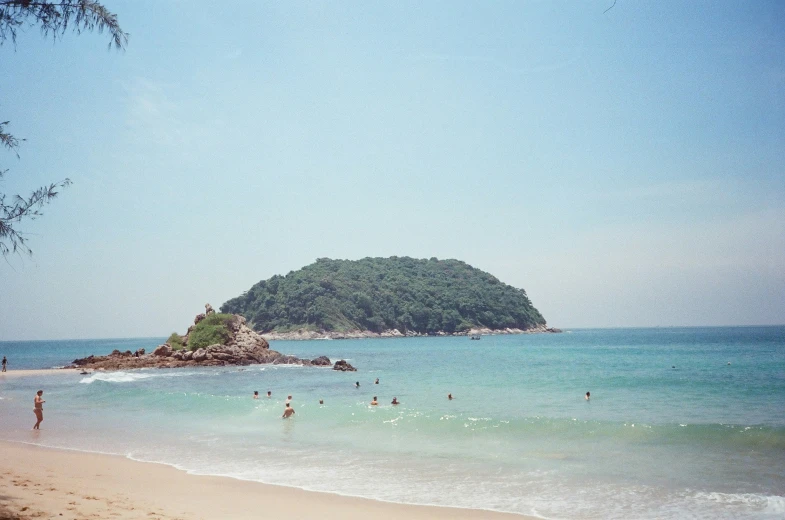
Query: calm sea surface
pixel 682 423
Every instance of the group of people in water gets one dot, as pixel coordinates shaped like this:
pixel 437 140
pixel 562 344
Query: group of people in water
pixel 288 411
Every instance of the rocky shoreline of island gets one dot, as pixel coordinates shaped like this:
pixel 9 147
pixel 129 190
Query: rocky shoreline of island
pixel 306 335
pixel 240 346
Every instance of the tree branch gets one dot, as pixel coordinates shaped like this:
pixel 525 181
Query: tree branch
pixel 56 17
pixel 20 208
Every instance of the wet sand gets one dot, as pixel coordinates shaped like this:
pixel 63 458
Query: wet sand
pixel 10 374
pixel 38 482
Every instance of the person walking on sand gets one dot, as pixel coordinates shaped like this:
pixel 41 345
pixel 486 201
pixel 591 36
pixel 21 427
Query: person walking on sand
pixel 5 362
pixel 287 412
pixel 38 409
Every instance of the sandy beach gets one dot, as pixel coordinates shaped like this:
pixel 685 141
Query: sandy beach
pixel 11 374
pixel 38 482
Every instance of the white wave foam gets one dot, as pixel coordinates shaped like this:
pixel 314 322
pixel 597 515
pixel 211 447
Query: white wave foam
pixel 128 377
pixel 769 504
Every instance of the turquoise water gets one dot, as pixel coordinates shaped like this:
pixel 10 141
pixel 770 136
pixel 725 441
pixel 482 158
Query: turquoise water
pixel 683 423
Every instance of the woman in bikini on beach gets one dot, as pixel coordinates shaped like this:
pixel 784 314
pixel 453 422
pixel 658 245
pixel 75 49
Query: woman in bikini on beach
pixel 38 409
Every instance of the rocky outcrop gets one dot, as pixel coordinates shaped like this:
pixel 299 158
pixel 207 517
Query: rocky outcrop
pixel 243 336
pixel 343 366
pixel 244 347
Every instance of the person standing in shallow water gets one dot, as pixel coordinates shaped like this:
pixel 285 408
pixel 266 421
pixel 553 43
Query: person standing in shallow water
pixel 587 396
pixel 5 362
pixel 288 411
pixel 38 409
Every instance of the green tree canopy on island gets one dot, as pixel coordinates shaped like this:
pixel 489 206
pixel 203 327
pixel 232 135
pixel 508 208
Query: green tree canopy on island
pixel 377 294
pixel 52 19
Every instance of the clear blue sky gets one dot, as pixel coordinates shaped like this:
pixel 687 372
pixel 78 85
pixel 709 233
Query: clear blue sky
pixel 625 168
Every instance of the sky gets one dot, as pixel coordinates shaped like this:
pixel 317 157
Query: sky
pixel 626 168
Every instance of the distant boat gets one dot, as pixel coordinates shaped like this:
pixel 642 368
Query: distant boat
pixel 476 337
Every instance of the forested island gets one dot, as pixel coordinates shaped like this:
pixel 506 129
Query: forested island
pixel 394 296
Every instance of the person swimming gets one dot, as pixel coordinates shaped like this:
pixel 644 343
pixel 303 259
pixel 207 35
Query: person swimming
pixel 449 396
pixel 377 381
pixel 269 394
pixel 374 402
pixel 395 401
pixel 357 384
pixel 256 394
pixel 587 396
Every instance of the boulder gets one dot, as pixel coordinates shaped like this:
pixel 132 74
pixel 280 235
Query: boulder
pixel 187 355
pixel 287 360
pixel 198 318
pixel 163 350
pixel 321 361
pixel 200 355
pixel 343 366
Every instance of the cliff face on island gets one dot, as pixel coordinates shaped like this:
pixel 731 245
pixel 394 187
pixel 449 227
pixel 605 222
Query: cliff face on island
pixel 213 340
pixel 386 297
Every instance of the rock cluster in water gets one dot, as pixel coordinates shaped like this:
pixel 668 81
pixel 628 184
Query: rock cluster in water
pixel 343 366
pixel 244 347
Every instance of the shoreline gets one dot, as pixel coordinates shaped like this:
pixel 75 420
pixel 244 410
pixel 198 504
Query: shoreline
pixel 305 335
pixel 28 372
pixel 47 482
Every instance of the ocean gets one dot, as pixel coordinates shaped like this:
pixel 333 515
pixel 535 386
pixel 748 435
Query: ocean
pixel 682 422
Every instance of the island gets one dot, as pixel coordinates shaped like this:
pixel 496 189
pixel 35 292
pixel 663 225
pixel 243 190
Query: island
pixel 213 340
pixel 386 297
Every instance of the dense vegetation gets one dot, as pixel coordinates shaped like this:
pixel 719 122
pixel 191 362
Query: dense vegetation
pixel 377 294
pixel 211 330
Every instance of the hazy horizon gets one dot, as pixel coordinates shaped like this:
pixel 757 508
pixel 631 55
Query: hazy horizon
pixel 626 168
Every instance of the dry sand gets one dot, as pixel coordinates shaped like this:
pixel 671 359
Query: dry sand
pixel 38 483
